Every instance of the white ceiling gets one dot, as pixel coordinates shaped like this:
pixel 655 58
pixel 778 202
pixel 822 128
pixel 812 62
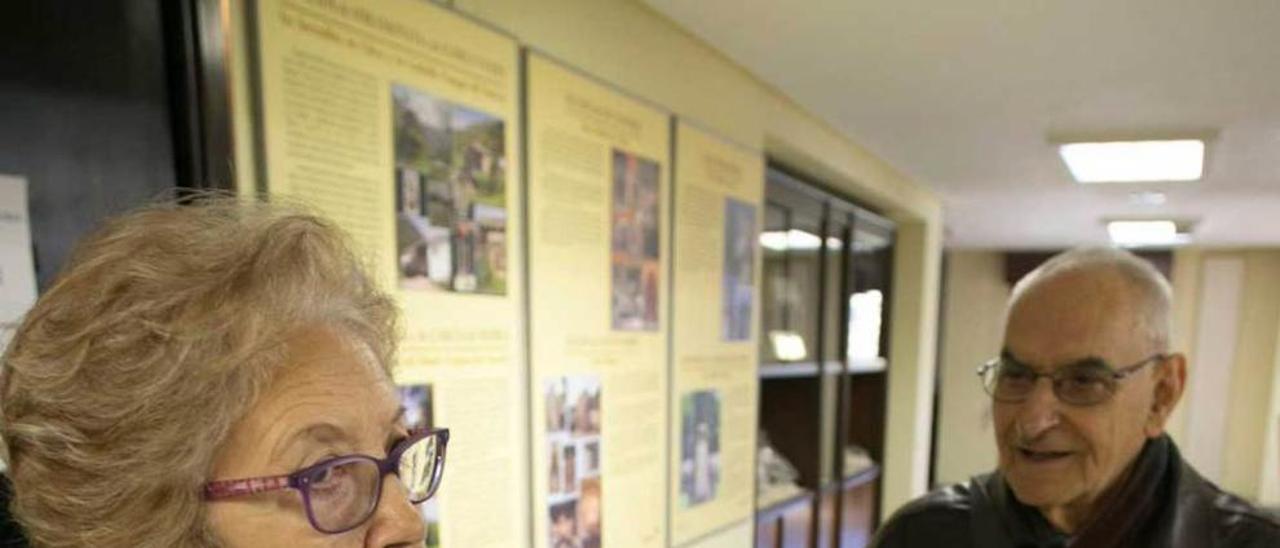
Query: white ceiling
pixel 966 96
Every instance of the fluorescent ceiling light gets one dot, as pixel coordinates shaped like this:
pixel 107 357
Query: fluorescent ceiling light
pixel 1145 233
pixel 1135 161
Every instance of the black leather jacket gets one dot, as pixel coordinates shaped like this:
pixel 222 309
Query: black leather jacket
pixel 1184 511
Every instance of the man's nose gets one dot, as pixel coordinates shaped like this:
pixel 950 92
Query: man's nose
pixel 1040 412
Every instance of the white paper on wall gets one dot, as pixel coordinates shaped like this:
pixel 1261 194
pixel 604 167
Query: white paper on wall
pixel 17 267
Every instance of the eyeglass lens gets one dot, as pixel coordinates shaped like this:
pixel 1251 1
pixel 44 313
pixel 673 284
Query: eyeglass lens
pixel 420 470
pixel 1079 384
pixel 345 493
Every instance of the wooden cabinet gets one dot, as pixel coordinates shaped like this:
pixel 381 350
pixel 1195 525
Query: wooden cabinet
pixel 823 362
pixel 828 517
pixel 859 500
pixel 787 524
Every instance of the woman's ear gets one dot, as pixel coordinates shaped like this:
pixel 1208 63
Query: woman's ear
pixel 1170 380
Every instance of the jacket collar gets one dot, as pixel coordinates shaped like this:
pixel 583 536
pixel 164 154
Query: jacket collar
pixel 1141 508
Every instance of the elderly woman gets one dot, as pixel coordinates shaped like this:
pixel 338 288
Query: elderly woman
pixel 213 375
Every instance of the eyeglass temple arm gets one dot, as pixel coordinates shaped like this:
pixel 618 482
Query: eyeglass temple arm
pixel 217 490
pixel 982 369
pixel 1125 372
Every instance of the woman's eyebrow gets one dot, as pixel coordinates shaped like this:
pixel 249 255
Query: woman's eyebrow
pixel 396 426
pixel 324 433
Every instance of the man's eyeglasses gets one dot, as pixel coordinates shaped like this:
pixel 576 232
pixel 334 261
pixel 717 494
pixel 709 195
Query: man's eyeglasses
pixel 341 493
pixel 1087 382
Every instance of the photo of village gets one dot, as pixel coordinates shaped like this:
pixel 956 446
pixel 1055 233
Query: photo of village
pixel 451 195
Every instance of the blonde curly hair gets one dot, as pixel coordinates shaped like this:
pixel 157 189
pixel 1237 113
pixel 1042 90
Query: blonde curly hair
pixel 128 374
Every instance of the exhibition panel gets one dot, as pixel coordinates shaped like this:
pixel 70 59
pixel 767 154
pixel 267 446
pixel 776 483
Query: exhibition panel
pixel 399 120
pixel 599 249
pixel 719 189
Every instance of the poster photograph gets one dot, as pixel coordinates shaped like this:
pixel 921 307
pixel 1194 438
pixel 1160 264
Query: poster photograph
pixel 699 447
pixel 574 505
pixel 451 195
pixel 419 413
pixel 738 285
pixel 635 246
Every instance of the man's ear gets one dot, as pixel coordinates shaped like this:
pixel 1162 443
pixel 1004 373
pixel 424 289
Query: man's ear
pixel 1171 378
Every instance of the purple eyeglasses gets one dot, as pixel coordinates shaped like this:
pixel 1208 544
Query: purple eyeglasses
pixel 342 493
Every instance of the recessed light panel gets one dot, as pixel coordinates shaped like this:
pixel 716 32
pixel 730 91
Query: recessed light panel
pixel 1145 233
pixel 1135 161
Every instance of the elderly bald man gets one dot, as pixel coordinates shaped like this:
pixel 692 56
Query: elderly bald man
pixel 1080 396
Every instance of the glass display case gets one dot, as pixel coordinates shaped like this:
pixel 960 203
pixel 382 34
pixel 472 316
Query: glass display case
pixel 823 364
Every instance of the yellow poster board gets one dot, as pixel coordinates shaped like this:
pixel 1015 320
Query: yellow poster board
pixel 719 188
pixel 599 201
pixel 399 120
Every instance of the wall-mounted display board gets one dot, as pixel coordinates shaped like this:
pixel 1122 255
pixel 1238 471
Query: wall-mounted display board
pixel 719 188
pixel 599 201
pixel 398 119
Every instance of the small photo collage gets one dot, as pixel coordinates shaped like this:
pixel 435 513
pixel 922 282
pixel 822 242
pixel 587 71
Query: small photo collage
pixel 574 494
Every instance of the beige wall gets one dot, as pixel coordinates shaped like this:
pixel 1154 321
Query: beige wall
pixel 912 355
pixel 1185 281
pixel 973 326
pixel 1269 488
pixel 1249 464
pixel 1251 389
pixel 1250 455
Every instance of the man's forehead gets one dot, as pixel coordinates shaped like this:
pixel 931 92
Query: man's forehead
pixel 1072 316
pixel 1076 293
